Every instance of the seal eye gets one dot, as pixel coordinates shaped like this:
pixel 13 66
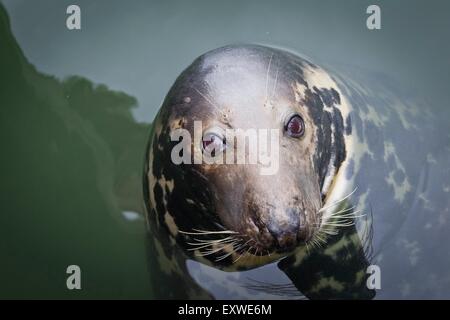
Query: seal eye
pixel 295 126
pixel 212 143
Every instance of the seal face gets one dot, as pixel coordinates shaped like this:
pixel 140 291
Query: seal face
pixel 230 215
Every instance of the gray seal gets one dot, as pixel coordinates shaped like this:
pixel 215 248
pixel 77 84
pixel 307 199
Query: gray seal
pixel 231 216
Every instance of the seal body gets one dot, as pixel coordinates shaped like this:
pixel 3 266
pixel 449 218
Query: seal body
pixel 213 224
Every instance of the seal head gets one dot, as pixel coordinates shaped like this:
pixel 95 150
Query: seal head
pixel 245 214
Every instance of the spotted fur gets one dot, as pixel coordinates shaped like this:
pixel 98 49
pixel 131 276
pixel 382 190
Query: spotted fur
pixel 349 123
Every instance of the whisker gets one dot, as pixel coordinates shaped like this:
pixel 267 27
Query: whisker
pixel 338 201
pixel 201 241
pixel 213 231
pixel 242 255
pixel 267 76
pixel 330 232
pixel 242 245
pixel 313 246
pixel 225 256
pixel 234 250
pixel 275 84
pixel 343 224
pixel 207 99
pixel 342 211
pixel 209 252
pixel 308 250
pixel 349 215
pixel 207 245
pixel 321 238
pixel 205 232
pixel 342 218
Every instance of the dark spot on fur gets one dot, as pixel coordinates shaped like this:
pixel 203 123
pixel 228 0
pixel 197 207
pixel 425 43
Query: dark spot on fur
pixel 336 96
pixel 330 97
pixel 339 143
pixel 323 120
pixel 158 193
pixel 348 125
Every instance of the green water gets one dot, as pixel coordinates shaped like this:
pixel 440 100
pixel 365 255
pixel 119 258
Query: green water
pixel 71 163
pixel 72 148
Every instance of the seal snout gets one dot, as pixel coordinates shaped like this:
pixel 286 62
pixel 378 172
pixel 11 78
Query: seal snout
pixel 284 230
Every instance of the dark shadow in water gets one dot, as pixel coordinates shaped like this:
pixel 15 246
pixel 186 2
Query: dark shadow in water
pixel 71 164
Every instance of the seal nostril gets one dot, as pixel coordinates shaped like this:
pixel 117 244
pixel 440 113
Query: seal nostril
pixel 293 216
pixel 285 229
